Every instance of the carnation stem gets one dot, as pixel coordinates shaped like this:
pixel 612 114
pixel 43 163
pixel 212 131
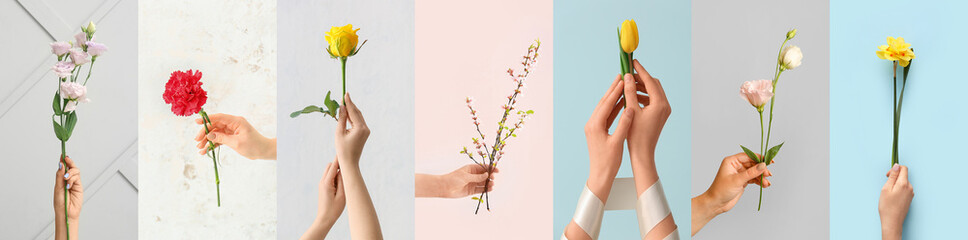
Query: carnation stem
pixel 211 150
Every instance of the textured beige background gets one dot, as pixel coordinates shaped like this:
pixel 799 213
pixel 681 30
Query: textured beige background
pixel 234 44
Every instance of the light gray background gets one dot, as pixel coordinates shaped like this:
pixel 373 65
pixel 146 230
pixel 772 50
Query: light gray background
pixel 381 81
pixel 103 144
pixel 736 42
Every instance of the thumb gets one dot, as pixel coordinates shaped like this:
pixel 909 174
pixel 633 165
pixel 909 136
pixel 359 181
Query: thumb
pixel 754 172
pixel 222 138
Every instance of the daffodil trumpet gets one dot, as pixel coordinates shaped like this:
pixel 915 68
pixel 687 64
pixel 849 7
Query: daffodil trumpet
pixel 341 45
pixel 757 92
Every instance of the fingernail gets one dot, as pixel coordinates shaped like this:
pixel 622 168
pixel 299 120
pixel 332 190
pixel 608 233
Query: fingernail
pixel 761 166
pixel 66 175
pixel 896 167
pixel 211 135
pixel 60 166
pixel 68 185
pixel 628 77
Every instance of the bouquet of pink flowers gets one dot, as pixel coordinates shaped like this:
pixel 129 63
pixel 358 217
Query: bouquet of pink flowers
pixel 759 92
pixel 490 156
pixel 71 58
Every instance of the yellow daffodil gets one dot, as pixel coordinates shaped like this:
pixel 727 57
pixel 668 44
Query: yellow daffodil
pixel 342 41
pixel 896 50
pixel 629 36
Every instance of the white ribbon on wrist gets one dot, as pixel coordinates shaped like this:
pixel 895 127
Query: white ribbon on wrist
pixel 652 208
pixel 589 213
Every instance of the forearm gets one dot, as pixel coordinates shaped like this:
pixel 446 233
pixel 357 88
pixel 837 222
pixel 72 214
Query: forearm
pixel 574 232
pixel 643 169
pixel 60 230
pixel 427 185
pixel 702 212
pixel 318 230
pixel 364 223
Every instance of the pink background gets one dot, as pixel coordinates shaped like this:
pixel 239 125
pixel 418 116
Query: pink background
pixel 464 49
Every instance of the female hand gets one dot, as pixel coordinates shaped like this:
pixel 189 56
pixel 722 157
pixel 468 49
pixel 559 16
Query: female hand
pixel 734 174
pixel 71 176
pixel 238 134
pixel 465 181
pixel 332 201
pixel 896 196
pixel 649 120
pixel 604 150
pixel 350 142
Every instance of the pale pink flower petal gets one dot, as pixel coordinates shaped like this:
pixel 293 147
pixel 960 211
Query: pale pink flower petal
pixel 63 69
pixel 79 56
pixel 757 92
pixel 96 49
pixel 59 48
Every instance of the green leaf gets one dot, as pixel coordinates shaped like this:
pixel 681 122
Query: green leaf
pixel 530 111
pixel 750 154
pixel 770 154
pixel 624 57
pixel 478 199
pixel 331 105
pixel 58 130
pixel 71 120
pixel 57 105
pixel 306 110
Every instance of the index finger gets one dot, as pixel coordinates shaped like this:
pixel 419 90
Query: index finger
pixel 652 85
pixel 902 176
pixel 356 117
pixel 70 162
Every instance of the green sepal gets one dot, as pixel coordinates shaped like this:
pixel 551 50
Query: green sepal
pixel 357 49
pixel 57 105
pixel 770 154
pixel 750 154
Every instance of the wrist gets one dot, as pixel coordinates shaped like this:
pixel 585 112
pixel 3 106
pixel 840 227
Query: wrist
pixel 600 184
pixel 890 230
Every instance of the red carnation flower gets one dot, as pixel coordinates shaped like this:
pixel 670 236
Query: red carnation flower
pixel 184 92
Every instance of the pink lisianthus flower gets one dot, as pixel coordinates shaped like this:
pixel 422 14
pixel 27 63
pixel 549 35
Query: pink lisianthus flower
pixel 95 49
pixel 75 93
pixel 59 48
pixel 80 39
pixel 79 56
pixel 757 92
pixel 63 69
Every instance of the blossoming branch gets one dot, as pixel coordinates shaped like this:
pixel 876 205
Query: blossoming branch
pixel 487 157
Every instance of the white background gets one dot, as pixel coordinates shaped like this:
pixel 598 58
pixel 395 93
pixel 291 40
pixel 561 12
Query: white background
pixel 234 44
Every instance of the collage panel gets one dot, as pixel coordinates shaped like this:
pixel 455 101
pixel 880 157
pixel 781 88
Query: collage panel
pixel 587 64
pixel 379 79
pixel 475 71
pixel 211 62
pixel 930 130
pixel 784 53
pixel 92 97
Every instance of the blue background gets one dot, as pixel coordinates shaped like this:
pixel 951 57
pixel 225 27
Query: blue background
pixel 586 62
pixel 932 122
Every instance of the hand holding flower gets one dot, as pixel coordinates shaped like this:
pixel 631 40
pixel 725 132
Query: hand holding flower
pixel 462 182
pixel 894 202
pixel 237 133
pixel 734 174
pixel 68 178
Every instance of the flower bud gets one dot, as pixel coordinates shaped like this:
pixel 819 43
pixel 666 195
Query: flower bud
pixel 629 36
pixel 792 33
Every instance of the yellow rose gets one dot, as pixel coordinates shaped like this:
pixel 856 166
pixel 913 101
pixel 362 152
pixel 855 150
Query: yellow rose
pixel 896 50
pixel 342 40
pixel 629 36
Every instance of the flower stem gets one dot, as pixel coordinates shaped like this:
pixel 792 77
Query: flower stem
pixel 342 61
pixel 894 142
pixel 89 68
pixel 211 149
pixel 67 225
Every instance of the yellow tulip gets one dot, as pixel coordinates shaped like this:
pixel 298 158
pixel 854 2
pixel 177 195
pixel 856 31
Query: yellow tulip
pixel 896 50
pixel 342 40
pixel 629 36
